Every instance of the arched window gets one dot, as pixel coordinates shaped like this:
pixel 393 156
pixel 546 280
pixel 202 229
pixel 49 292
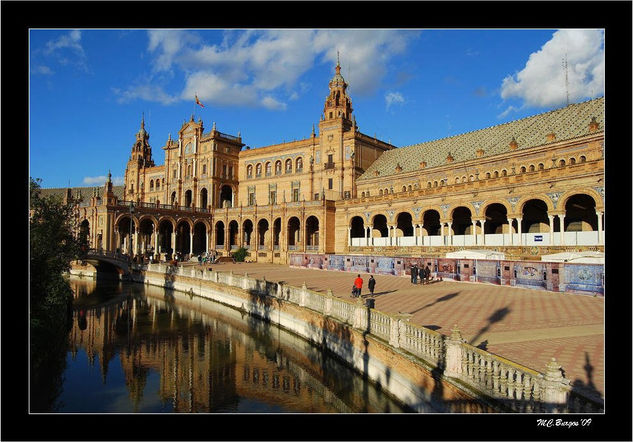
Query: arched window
pixel 410 188
pixel 258 170
pixel 504 172
pixel 561 163
pixel 572 161
pixel 249 171
pixel 189 170
pixel 362 195
pixel 151 185
pixel 434 183
pixel 204 169
pixel 175 173
pixel 541 166
pixel 583 158
pixel 487 175
pixel 158 184
pixel 523 169
pixel 456 180
pixel 299 165
pixel 404 188
pixel 464 179
pixel 278 167
pixel 380 192
pixel 532 168
pixel 472 178
pixel 269 168
pixel 288 165
pixel 496 175
pixel 429 184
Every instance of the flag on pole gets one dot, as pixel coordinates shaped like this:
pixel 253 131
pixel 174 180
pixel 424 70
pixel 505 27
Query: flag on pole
pixel 198 101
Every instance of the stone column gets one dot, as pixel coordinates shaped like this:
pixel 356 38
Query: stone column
pixel 511 229
pixel 367 229
pixel 483 231
pixel 190 244
pixel 600 235
pixel 135 245
pixel 556 387
pixel 474 232
pixel 155 239
pixel 450 233
pixel 442 232
pixel 551 229
pixel 519 230
pixel 349 236
pixel 562 229
pixel 173 242
pixel 227 239
pixel 206 244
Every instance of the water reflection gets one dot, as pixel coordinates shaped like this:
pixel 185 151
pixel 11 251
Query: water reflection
pixel 155 350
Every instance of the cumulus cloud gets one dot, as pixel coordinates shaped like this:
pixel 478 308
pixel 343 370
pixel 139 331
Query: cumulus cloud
pixel 264 67
pixel 392 98
pixel 67 49
pixel 101 180
pixel 542 81
pixel 147 92
pixel 42 70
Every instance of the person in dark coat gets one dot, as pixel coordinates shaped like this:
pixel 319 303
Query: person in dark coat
pixel 414 274
pixel 371 284
pixel 427 273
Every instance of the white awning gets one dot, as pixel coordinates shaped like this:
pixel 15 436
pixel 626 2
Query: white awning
pixel 576 257
pixel 476 254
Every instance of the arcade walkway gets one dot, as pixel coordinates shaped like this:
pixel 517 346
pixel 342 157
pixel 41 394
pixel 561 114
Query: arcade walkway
pixel 526 326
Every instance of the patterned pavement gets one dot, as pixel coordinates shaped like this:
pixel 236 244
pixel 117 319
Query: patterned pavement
pixel 523 325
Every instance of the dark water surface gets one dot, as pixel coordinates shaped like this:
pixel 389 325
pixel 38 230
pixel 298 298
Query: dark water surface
pixel 136 348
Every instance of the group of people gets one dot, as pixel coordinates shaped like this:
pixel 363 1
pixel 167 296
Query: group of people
pixel 358 286
pixel 424 273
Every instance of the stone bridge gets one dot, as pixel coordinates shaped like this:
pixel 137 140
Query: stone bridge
pixel 108 261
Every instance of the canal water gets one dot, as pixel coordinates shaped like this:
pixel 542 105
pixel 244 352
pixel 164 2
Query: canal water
pixel 145 349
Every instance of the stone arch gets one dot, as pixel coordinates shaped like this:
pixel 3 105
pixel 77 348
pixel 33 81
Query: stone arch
pixel 521 203
pixel 218 228
pixel 312 231
pixel 597 198
pixel 84 235
pixel 234 228
pixel 462 217
pixel 263 232
pixel 276 232
pixel 165 229
pixel 431 222
pixel 248 227
pixel 227 194
pixel 200 233
pixel 184 227
pixel 404 224
pixel 379 226
pixel 469 206
pixel 299 164
pixel 486 204
pixel 534 214
pixel 204 198
pixel 293 226
pixel 580 213
pixel 357 226
pixel 496 216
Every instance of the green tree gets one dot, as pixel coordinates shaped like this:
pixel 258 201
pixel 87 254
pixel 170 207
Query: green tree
pixel 52 247
pixel 240 254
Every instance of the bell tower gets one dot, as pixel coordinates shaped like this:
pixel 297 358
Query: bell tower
pixel 140 158
pixel 338 105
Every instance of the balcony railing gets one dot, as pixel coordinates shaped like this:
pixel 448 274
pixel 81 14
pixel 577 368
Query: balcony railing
pixel 329 165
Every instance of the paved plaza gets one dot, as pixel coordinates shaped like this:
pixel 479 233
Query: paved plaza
pixel 523 325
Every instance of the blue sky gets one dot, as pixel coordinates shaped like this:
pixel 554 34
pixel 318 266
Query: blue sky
pixel 88 89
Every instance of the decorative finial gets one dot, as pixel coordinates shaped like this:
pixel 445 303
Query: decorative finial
pixel 143 120
pixel 337 59
pixel 214 125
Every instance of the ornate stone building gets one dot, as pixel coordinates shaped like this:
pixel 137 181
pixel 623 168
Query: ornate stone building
pixel 526 187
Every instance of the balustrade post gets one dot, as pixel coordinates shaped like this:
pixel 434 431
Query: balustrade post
pixel 304 295
pixel 556 387
pixel 397 328
pixel 245 281
pixel 359 308
pixel 327 305
pixel 454 356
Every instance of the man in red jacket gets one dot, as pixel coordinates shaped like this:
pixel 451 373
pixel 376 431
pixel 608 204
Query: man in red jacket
pixel 358 284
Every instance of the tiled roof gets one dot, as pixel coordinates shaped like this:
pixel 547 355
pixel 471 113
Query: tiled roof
pixel 86 192
pixel 566 123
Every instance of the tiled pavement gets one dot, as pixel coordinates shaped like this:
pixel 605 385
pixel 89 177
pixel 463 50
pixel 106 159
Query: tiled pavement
pixel 526 326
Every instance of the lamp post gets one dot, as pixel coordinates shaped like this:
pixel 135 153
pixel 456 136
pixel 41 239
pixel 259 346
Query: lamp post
pixel 130 239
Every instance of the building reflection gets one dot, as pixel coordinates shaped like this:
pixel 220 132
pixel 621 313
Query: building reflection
pixel 207 361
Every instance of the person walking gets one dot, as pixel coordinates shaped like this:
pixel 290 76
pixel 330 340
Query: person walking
pixel 427 274
pixel 371 284
pixel 414 274
pixel 358 285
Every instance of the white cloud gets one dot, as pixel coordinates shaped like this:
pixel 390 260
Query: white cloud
pixel 247 67
pixel 542 80
pixel 43 70
pixel 147 92
pixel 101 180
pixel 60 47
pixel 392 98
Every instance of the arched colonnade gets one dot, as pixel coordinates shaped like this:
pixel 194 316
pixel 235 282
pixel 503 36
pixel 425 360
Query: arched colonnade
pixel 573 219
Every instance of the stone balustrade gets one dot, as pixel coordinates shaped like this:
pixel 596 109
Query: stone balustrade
pixel 505 383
